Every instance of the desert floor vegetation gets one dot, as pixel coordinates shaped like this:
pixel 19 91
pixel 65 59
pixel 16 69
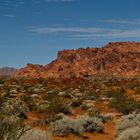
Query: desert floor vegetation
pixel 42 109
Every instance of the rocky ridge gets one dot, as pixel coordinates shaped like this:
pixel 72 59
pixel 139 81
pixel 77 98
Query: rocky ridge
pixel 117 58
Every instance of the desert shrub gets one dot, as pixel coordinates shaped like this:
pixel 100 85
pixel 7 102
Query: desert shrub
pixel 123 103
pixel 130 134
pixel 2 100
pixel 12 115
pixel 54 106
pixel 112 81
pixel 84 123
pixel 1 81
pixel 65 127
pixel 35 134
pixel 51 94
pixel 128 128
pixel 66 94
pixel 129 106
pixel 90 124
pixel 26 88
pixel 86 106
pixel 58 105
pixel 93 111
pixel 42 108
pixel 128 121
pixel 11 128
pixel 115 93
pixel 137 90
pixel 13 107
pixel 49 118
pixel 106 117
pixel 90 95
pixel 133 85
pixel 29 102
pixel 76 102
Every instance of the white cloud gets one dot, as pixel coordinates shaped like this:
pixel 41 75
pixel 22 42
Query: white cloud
pixel 9 15
pixel 115 21
pixel 59 0
pixel 111 34
pixel 88 32
pixel 46 30
pixel 11 3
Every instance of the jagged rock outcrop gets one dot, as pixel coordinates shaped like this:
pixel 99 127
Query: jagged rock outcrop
pixel 120 58
pixel 7 71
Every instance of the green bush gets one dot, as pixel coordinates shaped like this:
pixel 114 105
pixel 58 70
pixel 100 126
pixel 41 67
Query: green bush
pixel 58 105
pixel 76 102
pixel 122 102
pixel 137 90
pixel 42 108
pixel 29 102
pixel 12 117
pixel 133 85
pixel 11 128
pixel 115 93
pixel 1 81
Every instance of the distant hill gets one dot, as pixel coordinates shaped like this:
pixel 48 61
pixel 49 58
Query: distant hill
pixel 117 58
pixel 7 71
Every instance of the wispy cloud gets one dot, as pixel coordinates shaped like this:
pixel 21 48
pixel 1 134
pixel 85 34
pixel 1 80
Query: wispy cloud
pixel 11 3
pixel 46 30
pixel 59 0
pixel 9 15
pixel 116 21
pixel 19 3
pixel 110 34
pixel 88 32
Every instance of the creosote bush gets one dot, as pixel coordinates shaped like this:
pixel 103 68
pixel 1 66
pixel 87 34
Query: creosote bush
pixel 130 134
pixel 76 102
pixel 59 105
pixel 128 128
pixel 67 126
pixel 137 90
pixel 90 124
pixel 29 102
pixel 106 117
pixel 11 128
pixel 122 102
pixel 12 125
pixel 35 134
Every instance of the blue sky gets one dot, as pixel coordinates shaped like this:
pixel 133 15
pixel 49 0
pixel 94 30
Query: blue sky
pixel 32 31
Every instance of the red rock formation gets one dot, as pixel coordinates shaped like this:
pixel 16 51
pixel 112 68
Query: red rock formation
pixel 120 58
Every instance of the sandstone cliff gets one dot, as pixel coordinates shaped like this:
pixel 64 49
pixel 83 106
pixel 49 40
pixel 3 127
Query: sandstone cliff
pixel 120 58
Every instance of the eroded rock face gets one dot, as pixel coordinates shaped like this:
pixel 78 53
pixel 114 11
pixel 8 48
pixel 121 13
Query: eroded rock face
pixel 120 58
